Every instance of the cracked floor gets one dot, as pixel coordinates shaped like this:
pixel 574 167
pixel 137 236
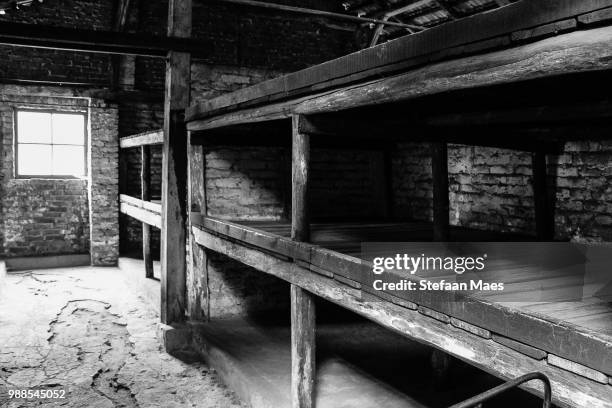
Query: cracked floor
pixel 85 331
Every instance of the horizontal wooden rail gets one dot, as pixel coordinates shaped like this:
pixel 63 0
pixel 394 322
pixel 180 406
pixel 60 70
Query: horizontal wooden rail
pixel 144 211
pixel 154 137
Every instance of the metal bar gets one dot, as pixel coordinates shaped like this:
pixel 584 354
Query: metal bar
pixel 321 13
pixel 472 402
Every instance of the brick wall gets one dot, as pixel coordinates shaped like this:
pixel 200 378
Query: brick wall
pixel 491 188
pixel 52 216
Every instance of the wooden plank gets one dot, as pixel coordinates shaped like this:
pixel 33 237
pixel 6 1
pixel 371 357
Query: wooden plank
pixel 259 238
pixel 141 214
pixel 565 54
pixel 174 170
pixel 302 347
pixel 409 51
pixel 135 202
pixel 300 168
pixel 145 184
pixel 520 347
pixel 577 368
pixel 569 390
pixel 439 172
pixel 153 137
pixel 544 214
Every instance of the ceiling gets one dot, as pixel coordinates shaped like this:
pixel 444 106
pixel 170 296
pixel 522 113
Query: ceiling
pixel 422 13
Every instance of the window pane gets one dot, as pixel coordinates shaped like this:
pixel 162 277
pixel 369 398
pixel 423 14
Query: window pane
pixel 68 128
pixel 34 160
pixel 33 127
pixel 68 161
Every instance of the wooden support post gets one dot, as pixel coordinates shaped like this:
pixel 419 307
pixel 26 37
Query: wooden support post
pixel 544 214
pixel 300 168
pixel 303 325
pixel 439 168
pixel 302 347
pixel 198 305
pixel 145 195
pixel 174 169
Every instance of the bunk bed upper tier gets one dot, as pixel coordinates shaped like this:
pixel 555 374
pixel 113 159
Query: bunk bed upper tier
pixel 404 68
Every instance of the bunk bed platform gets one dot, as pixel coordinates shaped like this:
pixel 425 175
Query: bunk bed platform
pixel 569 341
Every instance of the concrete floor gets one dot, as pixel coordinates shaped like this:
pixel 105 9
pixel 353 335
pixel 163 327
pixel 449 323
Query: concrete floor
pixel 84 330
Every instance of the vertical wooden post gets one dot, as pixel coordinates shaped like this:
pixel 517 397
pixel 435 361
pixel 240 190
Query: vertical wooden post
pixel 198 260
pixel 544 214
pixel 303 327
pixel 145 195
pixel 439 169
pixel 174 169
pixel 302 347
pixel 300 167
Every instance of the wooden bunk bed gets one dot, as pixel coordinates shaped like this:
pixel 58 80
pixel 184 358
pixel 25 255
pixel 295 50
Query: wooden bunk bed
pixel 146 210
pixel 364 99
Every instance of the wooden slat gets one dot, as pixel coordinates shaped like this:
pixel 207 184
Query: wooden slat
pixel 569 390
pixel 581 51
pixel 146 205
pixel 459 36
pixel 141 214
pixel 153 137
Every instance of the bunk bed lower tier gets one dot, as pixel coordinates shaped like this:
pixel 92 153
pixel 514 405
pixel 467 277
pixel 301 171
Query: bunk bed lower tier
pixel 570 341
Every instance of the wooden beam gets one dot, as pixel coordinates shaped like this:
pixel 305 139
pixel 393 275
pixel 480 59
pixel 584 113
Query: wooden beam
pixel 105 42
pixel 544 214
pixel 439 172
pixel 139 212
pixel 300 157
pixel 174 170
pixel 153 137
pixel 569 390
pixel 145 186
pixel 302 303
pixel 136 202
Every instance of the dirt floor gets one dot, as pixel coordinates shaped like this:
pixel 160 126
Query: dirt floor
pixel 84 331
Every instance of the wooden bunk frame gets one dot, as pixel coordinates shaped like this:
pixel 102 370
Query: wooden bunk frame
pixel 319 100
pixel 144 210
